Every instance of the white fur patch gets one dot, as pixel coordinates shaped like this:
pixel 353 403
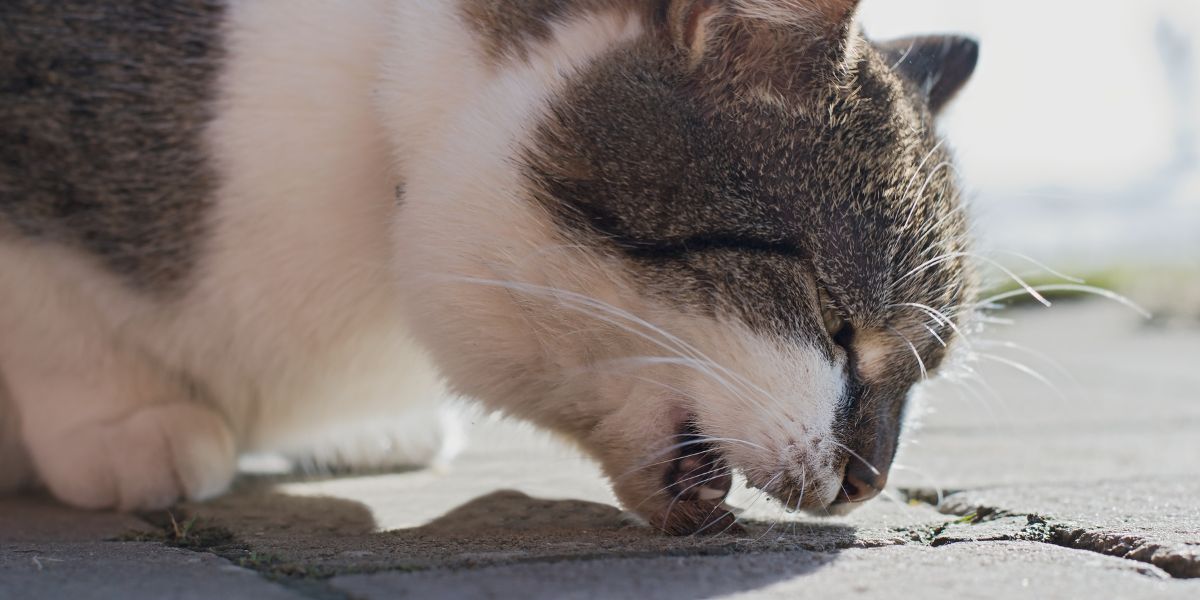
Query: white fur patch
pixel 299 273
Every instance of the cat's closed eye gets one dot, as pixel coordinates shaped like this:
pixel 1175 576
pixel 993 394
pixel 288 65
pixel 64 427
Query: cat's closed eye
pixel 836 325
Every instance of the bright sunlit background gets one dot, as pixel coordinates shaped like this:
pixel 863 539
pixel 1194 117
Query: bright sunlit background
pixel 1079 138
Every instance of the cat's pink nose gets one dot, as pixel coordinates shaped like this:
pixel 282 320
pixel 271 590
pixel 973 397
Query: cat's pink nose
pixel 861 482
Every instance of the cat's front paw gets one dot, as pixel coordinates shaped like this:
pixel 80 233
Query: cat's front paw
pixel 149 459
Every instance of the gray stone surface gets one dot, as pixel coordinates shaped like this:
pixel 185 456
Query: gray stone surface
pixel 1151 520
pixel 51 552
pixel 963 571
pixel 1121 401
pixel 126 570
pixel 1093 490
pixel 1108 462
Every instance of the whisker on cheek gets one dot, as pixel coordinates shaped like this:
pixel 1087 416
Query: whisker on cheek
pixel 717 473
pixel 682 353
pixel 941 317
pixel 661 462
pixel 916 353
pixel 847 449
pixel 934 334
pixel 1009 272
pixel 724 472
pixel 1068 287
pixel 782 513
pixel 700 367
pixel 1046 358
pixel 758 497
pixel 1027 370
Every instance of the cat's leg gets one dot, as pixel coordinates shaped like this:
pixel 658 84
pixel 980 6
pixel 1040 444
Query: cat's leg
pixel 104 426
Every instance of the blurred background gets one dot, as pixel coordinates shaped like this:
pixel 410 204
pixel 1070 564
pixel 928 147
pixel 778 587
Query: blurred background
pixel 1079 138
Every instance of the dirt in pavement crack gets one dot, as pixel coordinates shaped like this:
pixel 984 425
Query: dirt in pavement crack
pixel 180 530
pixel 1177 561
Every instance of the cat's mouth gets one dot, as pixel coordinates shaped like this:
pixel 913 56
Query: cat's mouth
pixel 696 481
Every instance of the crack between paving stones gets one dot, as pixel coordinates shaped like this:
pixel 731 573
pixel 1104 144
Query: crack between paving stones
pixel 193 534
pixel 1043 530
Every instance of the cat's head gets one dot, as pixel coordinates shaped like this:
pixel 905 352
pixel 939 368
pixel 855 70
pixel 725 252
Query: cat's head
pixel 729 240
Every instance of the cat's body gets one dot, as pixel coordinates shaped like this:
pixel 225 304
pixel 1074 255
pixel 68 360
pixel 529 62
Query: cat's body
pixel 231 226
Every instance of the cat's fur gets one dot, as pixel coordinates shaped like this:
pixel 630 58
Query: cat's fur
pixel 231 226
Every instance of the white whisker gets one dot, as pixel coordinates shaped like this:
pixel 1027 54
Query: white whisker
pixel 935 335
pixel 1009 272
pixel 1026 370
pixel 870 466
pixel 1069 287
pixel 1042 266
pixel 559 295
pixel 917 201
pixel 1046 358
pixel 915 352
pixel 761 493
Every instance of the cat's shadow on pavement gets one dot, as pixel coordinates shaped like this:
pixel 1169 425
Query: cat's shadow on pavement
pixel 510 529
pixel 259 526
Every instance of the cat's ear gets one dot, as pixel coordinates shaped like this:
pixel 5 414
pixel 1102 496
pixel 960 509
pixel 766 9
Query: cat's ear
pixel 939 66
pixel 693 23
pixel 778 46
pixel 690 24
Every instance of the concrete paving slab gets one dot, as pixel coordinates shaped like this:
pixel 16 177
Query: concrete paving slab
pixel 962 571
pixel 969 459
pixel 130 571
pixel 1148 520
pixel 51 552
pixel 1127 406
pixel 1101 366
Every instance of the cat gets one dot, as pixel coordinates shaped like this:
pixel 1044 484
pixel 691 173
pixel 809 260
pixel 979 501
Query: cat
pixel 693 236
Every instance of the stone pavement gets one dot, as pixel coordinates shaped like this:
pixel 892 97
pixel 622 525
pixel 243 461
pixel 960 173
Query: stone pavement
pixel 1088 486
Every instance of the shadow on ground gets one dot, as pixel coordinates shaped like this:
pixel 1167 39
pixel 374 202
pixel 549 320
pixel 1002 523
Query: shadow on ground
pixel 263 528
pixel 304 542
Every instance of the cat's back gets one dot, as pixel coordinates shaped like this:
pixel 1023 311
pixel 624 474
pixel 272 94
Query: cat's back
pixel 102 110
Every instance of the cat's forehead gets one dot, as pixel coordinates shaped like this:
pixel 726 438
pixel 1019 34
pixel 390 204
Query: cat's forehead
pixel 848 180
